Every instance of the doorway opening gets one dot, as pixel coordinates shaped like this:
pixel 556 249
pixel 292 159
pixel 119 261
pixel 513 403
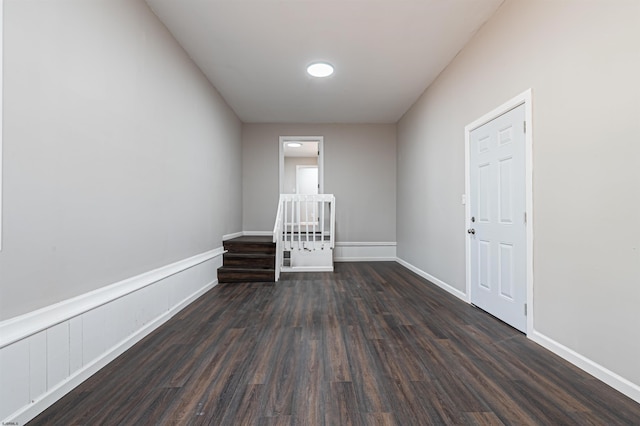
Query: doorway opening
pixel 301 165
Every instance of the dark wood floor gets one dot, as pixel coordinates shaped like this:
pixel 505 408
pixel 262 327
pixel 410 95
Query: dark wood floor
pixel 369 344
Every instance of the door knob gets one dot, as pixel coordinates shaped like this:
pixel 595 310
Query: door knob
pixel 471 231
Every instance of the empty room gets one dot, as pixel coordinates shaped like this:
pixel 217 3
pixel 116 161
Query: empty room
pixel 319 212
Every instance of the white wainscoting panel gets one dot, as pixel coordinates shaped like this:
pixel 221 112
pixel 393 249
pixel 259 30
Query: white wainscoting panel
pixel 57 353
pixel 37 364
pixel 94 340
pixel 75 343
pixel 364 251
pixel 46 353
pixel 14 377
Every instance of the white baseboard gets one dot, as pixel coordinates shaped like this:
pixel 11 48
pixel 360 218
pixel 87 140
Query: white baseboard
pixel 48 352
pixel 232 236
pixel 364 251
pixel 353 251
pixel 257 233
pixel 306 269
pixel 447 287
pixel 614 380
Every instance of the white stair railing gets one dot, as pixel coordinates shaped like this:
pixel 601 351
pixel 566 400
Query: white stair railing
pixel 304 223
pixel 277 238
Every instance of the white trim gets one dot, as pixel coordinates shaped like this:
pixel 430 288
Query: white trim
pixel 282 140
pixel 614 380
pixel 526 99
pixel 92 330
pixel 42 402
pixel 232 236
pixel 447 287
pixel 607 376
pixel 257 233
pixel 23 326
pixel 306 269
pixel 347 251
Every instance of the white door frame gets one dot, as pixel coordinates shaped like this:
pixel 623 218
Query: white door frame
pixel 522 98
pixel 283 140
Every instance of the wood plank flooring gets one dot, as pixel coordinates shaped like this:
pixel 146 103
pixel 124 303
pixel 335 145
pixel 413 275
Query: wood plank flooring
pixel 371 344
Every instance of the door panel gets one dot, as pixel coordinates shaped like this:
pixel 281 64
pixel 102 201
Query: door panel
pixel 306 179
pixel 497 206
pixel 505 266
pixel 484 196
pixel 307 184
pixel 485 264
pixel 505 188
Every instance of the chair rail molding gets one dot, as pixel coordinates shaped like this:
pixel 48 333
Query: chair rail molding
pixel 48 352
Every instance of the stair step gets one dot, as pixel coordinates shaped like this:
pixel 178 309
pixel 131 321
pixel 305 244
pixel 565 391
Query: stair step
pixel 243 275
pixel 249 260
pixel 251 244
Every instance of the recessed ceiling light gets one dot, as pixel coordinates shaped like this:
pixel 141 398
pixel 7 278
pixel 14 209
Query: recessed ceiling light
pixel 320 69
pixel 294 145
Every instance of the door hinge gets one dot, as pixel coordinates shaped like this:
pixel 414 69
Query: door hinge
pixel 525 309
pixel 524 126
pixel 525 217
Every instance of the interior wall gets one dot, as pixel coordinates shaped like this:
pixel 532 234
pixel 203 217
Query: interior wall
pixel 582 61
pixel 359 169
pixel 119 156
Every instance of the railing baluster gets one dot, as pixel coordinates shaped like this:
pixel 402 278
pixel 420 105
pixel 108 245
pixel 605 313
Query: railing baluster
pixel 306 220
pixel 291 219
pixel 298 221
pixel 315 217
pixel 322 203
pixel 332 226
pixel 277 239
pixel 285 203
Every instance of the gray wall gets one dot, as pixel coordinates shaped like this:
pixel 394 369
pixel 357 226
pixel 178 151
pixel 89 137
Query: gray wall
pixel 359 168
pixel 582 61
pixel 119 156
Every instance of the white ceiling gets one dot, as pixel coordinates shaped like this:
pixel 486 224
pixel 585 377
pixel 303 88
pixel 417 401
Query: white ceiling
pixel 308 149
pixel 385 52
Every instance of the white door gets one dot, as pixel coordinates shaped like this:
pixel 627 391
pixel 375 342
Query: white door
pixel 306 179
pixel 307 184
pixel 497 227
